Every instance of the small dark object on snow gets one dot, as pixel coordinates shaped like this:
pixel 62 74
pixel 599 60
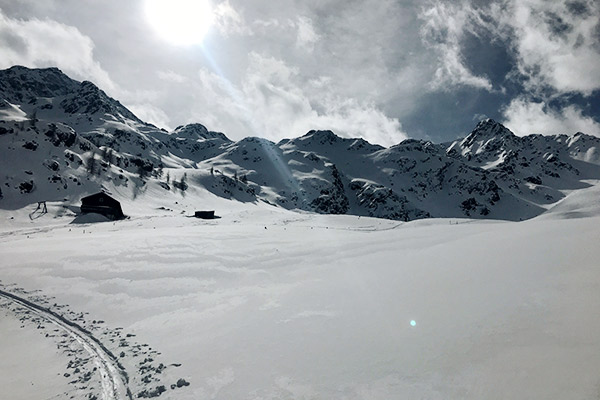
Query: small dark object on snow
pixel 182 382
pixel 205 214
pixel 26 187
pixel 101 203
pixel 152 393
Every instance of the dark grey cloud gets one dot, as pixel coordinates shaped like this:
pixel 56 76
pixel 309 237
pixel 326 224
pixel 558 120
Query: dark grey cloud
pixel 578 8
pixel 557 25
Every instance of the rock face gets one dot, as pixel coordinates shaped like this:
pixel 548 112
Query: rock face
pixel 332 199
pixel 23 85
pixel 62 138
pixel 89 99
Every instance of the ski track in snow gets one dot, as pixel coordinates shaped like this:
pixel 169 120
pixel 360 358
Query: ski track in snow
pixel 113 377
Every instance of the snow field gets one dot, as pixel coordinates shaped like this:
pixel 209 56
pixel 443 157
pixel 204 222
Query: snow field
pixel 320 306
pixel 30 362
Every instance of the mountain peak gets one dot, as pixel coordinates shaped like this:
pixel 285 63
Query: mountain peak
pixel 197 131
pixel 20 69
pixel 325 136
pixel 418 145
pixel 20 83
pixel 489 127
pixel 485 130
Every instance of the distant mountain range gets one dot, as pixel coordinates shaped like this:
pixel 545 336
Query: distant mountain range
pixel 61 139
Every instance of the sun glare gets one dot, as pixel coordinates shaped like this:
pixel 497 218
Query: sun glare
pixel 181 22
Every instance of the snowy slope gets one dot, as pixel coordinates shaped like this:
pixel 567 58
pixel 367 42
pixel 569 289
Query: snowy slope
pixel 61 139
pixel 319 306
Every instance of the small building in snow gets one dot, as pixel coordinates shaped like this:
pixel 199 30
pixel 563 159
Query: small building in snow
pixel 101 203
pixel 205 214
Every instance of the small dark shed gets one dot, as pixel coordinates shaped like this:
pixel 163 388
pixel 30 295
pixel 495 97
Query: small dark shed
pixel 101 203
pixel 205 214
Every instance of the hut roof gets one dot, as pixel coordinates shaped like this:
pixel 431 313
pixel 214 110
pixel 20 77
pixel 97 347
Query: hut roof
pixel 99 197
pixel 102 203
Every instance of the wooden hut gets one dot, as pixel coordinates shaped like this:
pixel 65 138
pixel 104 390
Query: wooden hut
pixel 101 203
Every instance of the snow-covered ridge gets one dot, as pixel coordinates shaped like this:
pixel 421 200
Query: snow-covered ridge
pixel 61 139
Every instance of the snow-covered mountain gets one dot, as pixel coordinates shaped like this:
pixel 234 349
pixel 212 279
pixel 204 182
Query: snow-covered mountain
pixel 61 139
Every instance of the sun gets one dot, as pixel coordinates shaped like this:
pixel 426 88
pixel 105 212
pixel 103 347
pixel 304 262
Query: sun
pixel 181 22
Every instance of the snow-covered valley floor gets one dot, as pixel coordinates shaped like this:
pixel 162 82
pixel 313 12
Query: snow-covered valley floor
pixel 270 304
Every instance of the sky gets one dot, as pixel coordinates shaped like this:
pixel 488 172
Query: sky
pixel 384 70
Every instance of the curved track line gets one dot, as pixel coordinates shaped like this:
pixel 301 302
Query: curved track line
pixel 112 375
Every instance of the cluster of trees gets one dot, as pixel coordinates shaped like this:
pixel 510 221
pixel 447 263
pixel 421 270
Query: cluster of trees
pixel 144 169
pixel 106 159
pixel 242 178
pixel 182 183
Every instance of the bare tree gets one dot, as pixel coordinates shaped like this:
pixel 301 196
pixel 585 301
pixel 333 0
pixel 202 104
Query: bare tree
pixel 158 172
pixel 91 165
pixel 33 118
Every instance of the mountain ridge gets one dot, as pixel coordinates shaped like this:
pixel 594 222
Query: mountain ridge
pixel 61 139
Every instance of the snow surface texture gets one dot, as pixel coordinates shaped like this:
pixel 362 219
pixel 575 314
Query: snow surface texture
pixel 61 139
pixel 273 301
pixel 113 378
pixel 316 307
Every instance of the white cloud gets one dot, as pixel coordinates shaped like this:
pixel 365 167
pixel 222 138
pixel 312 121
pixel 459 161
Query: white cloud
pixel 556 47
pixel 307 37
pixel 329 51
pixel 228 21
pixel 150 113
pixel 171 76
pixel 444 26
pixel 556 50
pixel 45 43
pixel 301 29
pixel 525 117
pixel 273 101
